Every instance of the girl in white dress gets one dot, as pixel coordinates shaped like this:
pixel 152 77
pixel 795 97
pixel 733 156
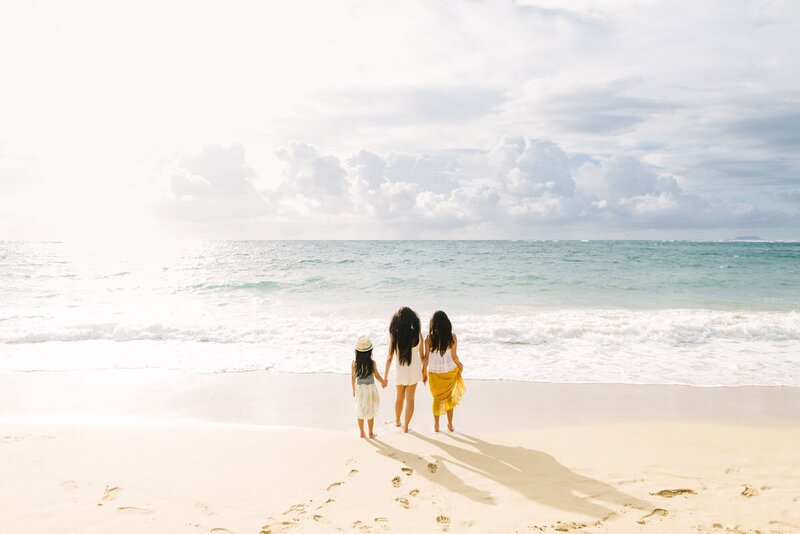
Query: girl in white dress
pixel 363 373
pixel 405 342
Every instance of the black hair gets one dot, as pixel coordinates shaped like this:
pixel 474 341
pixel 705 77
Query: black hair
pixel 363 363
pixel 440 332
pixel 404 330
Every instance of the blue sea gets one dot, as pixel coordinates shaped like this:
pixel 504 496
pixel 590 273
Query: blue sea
pixel 700 313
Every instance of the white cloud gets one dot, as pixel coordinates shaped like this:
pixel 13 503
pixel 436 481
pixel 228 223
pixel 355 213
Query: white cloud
pixel 210 190
pixel 702 97
pixel 312 175
pixel 532 168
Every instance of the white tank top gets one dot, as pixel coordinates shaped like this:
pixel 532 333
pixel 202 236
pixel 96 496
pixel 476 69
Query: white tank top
pixel 441 363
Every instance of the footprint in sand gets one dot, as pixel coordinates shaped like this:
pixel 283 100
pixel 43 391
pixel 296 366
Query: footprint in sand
pixel 669 493
pixel 353 472
pixel 396 482
pixel 599 522
pixel 566 526
pixel 109 494
pixel 658 511
pixel 414 492
pixel 335 485
pixel 443 520
pixel 432 467
pixel 403 502
pixel 749 492
pixel 328 501
pixel 219 529
pixel 407 470
pixel 296 508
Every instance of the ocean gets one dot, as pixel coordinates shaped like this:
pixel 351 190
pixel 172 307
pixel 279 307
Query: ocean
pixel 661 312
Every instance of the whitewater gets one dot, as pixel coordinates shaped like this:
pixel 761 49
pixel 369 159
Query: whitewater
pixel 698 313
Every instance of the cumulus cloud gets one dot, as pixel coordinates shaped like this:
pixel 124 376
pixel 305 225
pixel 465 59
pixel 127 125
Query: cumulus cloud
pixel 312 175
pixel 520 185
pixel 532 168
pixel 209 186
pixel 632 194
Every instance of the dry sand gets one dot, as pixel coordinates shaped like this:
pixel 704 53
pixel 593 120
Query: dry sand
pixel 154 451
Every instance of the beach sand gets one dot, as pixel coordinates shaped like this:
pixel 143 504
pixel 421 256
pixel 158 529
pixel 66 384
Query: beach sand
pixel 258 452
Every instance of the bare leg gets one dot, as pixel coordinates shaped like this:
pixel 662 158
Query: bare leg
pixel 371 424
pixel 361 427
pixel 398 404
pixel 410 391
pixel 450 420
pixel 435 423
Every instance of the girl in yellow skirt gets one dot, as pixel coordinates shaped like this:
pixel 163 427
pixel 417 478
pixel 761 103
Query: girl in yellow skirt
pixel 443 368
pixel 363 373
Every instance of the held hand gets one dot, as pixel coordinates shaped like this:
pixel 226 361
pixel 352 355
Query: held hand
pixel 424 378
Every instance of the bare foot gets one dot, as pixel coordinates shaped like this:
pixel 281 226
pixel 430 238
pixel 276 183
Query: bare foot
pixel 436 428
pixel 450 427
pixel 372 435
pixel 397 423
pixel 363 435
pixel 405 429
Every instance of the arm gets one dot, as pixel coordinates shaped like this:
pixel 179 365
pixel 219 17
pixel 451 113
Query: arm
pixel 377 374
pixel 353 377
pixel 388 363
pixel 424 355
pixel 454 352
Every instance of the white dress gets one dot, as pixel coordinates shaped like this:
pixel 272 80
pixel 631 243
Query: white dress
pixel 368 400
pixel 408 375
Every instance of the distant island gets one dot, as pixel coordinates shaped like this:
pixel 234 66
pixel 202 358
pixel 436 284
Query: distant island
pixel 747 238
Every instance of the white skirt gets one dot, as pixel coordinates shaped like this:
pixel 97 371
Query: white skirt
pixel 368 400
pixel 408 375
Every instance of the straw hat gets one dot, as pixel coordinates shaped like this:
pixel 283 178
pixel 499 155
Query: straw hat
pixel 363 344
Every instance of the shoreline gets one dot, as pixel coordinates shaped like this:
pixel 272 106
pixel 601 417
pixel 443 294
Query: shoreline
pixel 271 398
pixel 210 358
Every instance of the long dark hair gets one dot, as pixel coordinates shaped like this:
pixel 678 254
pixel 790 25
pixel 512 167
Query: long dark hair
pixel 440 332
pixel 404 330
pixel 363 363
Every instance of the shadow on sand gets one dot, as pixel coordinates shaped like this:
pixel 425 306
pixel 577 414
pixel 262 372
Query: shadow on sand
pixel 533 474
pixel 440 474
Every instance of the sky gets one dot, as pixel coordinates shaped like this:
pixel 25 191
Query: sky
pixel 601 119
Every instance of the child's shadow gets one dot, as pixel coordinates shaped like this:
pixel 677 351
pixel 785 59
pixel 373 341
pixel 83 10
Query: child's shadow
pixel 442 475
pixel 536 475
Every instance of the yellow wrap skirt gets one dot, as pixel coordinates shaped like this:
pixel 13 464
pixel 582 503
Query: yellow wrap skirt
pixel 447 390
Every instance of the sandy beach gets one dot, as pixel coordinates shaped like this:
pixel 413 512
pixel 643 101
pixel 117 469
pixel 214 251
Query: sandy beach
pixel 259 452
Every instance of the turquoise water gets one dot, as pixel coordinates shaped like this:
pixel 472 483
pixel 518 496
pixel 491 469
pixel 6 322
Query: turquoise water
pixel 708 313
